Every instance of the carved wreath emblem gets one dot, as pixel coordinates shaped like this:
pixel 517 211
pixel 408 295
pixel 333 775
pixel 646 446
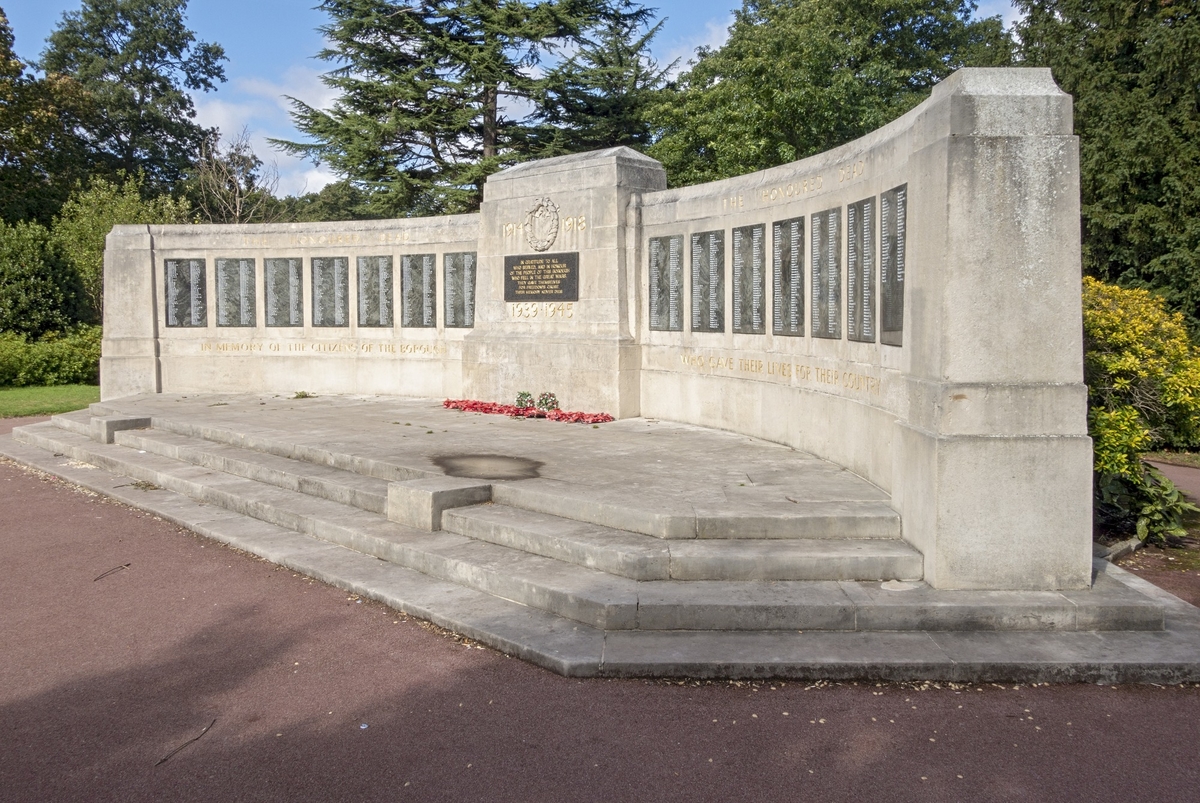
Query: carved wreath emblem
pixel 541 225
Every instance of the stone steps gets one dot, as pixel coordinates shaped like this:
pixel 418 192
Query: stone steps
pixel 642 557
pixel 587 596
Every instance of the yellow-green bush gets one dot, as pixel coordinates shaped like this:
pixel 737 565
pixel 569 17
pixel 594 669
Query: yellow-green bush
pixel 67 358
pixel 1143 377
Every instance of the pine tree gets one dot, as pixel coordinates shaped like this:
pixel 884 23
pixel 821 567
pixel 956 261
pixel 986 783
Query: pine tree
pixel 600 96
pixel 433 94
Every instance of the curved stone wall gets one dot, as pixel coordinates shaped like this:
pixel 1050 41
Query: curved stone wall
pixel 906 306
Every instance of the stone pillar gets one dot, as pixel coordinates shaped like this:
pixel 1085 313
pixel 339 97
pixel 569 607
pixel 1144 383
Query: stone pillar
pixel 129 364
pixel 548 220
pixel 992 468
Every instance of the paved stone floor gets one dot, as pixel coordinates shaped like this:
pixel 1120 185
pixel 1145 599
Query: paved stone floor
pixel 100 679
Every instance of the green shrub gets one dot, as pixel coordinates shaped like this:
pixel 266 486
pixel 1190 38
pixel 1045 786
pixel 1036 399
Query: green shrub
pixel 39 291
pixel 1143 377
pixel 68 358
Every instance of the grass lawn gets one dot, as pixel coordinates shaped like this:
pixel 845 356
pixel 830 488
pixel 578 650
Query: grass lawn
pixel 1191 459
pixel 16 402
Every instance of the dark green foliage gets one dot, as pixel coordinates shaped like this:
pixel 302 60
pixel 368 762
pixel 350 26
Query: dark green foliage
pixel 69 358
pixel 137 61
pixel 39 292
pixel 40 156
pixel 1134 70
pixel 426 89
pixel 600 97
pixel 1148 505
pixel 340 200
pixel 798 77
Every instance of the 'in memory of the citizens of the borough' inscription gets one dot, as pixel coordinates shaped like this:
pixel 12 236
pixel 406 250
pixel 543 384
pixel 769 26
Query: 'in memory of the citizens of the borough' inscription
pixel 708 281
pixel 749 281
pixel 418 290
pixel 235 292
pixel 375 291
pixel 788 241
pixel 893 206
pixel 284 282
pixel 185 297
pixel 826 258
pixel 331 291
pixel 542 277
pixel 459 270
pixel 666 283
pixel 860 271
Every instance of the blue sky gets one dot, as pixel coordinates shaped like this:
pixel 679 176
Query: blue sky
pixel 271 44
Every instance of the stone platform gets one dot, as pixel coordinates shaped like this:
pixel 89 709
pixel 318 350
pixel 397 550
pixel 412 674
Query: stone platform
pixel 639 547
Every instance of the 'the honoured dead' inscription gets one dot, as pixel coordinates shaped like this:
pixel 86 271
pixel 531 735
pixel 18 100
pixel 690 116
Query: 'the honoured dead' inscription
pixel 666 284
pixel 185 296
pixel 860 271
pixel 542 277
pixel 749 282
pixel 418 290
pixel 708 281
pixel 788 239
pixel 827 274
pixel 893 208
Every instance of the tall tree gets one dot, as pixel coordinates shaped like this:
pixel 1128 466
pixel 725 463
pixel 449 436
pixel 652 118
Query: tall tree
pixel 600 97
pixel 40 157
pixel 138 60
pixel 233 185
pixel 434 95
pixel 797 77
pixel 1133 67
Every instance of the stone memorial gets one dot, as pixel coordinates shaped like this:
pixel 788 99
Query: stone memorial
pixel 375 291
pixel 749 291
pixel 418 290
pixel 235 292
pixel 184 285
pixel 954 389
pixel 284 283
pixel 788 272
pixel 708 281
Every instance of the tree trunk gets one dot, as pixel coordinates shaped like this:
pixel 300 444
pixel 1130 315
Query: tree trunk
pixel 490 113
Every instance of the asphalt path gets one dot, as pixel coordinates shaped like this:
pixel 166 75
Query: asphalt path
pixel 140 662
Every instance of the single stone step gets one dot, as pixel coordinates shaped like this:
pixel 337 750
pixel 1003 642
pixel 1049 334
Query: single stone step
pixel 347 488
pixel 79 422
pixel 643 557
pixel 674 520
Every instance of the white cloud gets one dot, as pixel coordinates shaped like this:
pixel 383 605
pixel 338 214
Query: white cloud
pixel 716 32
pixel 1001 8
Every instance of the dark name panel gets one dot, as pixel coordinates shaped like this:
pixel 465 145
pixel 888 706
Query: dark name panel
pixel 708 281
pixel 284 291
pixel 542 277
pixel 893 210
pixel 860 271
pixel 749 280
pixel 459 270
pixel 375 291
pixel 186 300
pixel 235 292
pixel 331 291
pixel 788 275
pixel 826 236
pixel 418 290
pixel 666 283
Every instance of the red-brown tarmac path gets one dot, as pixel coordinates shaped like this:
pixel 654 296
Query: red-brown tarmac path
pixel 122 638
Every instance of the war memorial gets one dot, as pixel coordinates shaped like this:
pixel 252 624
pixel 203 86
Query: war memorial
pixel 850 435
